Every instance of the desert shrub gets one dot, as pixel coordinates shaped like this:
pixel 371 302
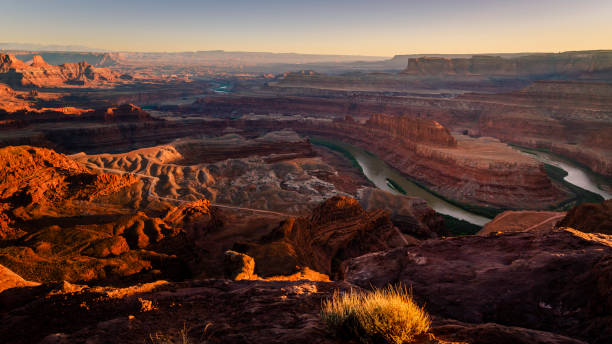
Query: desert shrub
pixel 182 336
pixel 387 315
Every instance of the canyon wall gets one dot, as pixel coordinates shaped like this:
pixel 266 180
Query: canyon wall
pixel 569 118
pixel 414 129
pixel 563 64
pixel 476 171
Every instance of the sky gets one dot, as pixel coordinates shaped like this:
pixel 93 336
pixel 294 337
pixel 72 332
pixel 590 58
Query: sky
pixel 357 27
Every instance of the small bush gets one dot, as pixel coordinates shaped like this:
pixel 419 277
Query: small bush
pixel 382 316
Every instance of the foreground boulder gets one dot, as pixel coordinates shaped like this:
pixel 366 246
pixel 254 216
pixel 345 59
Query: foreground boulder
pixel 553 280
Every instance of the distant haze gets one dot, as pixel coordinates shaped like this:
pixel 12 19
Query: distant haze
pixel 355 27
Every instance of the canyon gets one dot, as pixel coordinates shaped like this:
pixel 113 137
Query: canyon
pixel 218 196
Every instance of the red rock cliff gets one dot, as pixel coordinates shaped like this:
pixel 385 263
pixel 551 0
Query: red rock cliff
pixel 413 129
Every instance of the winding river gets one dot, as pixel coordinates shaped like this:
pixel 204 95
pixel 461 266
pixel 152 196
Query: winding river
pixel 576 175
pixel 379 173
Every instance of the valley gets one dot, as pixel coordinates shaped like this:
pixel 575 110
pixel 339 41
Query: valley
pixel 227 195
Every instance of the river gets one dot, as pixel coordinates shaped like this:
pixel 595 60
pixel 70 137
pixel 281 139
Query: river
pixel 379 173
pixel 576 175
pixel 216 87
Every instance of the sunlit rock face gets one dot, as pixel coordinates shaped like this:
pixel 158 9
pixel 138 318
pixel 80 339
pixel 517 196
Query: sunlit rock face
pixel 17 73
pixel 564 64
pixel 413 129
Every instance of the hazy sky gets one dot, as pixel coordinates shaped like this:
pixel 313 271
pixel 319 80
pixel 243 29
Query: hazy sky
pixel 383 27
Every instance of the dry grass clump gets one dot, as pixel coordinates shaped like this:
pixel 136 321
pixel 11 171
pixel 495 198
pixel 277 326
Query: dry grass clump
pixel 387 315
pixel 181 336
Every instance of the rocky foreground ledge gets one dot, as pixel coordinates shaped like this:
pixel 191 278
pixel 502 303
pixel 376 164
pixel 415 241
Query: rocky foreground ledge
pixel 544 286
pixel 214 311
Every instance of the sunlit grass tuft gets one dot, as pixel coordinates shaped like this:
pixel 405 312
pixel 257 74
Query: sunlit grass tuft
pixel 387 315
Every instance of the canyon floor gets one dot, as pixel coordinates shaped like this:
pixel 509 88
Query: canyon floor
pixel 224 205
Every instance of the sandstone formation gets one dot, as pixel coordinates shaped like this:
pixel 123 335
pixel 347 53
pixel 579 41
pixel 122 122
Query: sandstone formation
pixel 484 171
pixel 36 182
pixel 478 171
pixel 338 229
pixel 542 65
pixel 413 129
pixel 61 221
pixel 411 215
pixel 16 73
pixel 61 57
pixel 590 218
pixel 9 279
pixel 276 171
pixel 552 280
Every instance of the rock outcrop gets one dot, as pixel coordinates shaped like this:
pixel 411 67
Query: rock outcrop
pixel 413 129
pixel 16 73
pixel 9 279
pixel 480 171
pixel 36 182
pixel 411 215
pixel 590 218
pixel 61 221
pixel 541 65
pixel 552 280
pixel 337 230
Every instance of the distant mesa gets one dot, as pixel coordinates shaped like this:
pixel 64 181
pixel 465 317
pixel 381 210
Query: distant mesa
pixel 39 73
pixel 563 64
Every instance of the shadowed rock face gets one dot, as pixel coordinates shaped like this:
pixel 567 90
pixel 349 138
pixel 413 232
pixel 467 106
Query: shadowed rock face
pixel 554 280
pixel 564 64
pixel 411 215
pixel 337 229
pixel 590 218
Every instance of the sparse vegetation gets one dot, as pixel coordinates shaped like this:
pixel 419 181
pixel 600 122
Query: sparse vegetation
pixel 387 315
pixel 181 337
